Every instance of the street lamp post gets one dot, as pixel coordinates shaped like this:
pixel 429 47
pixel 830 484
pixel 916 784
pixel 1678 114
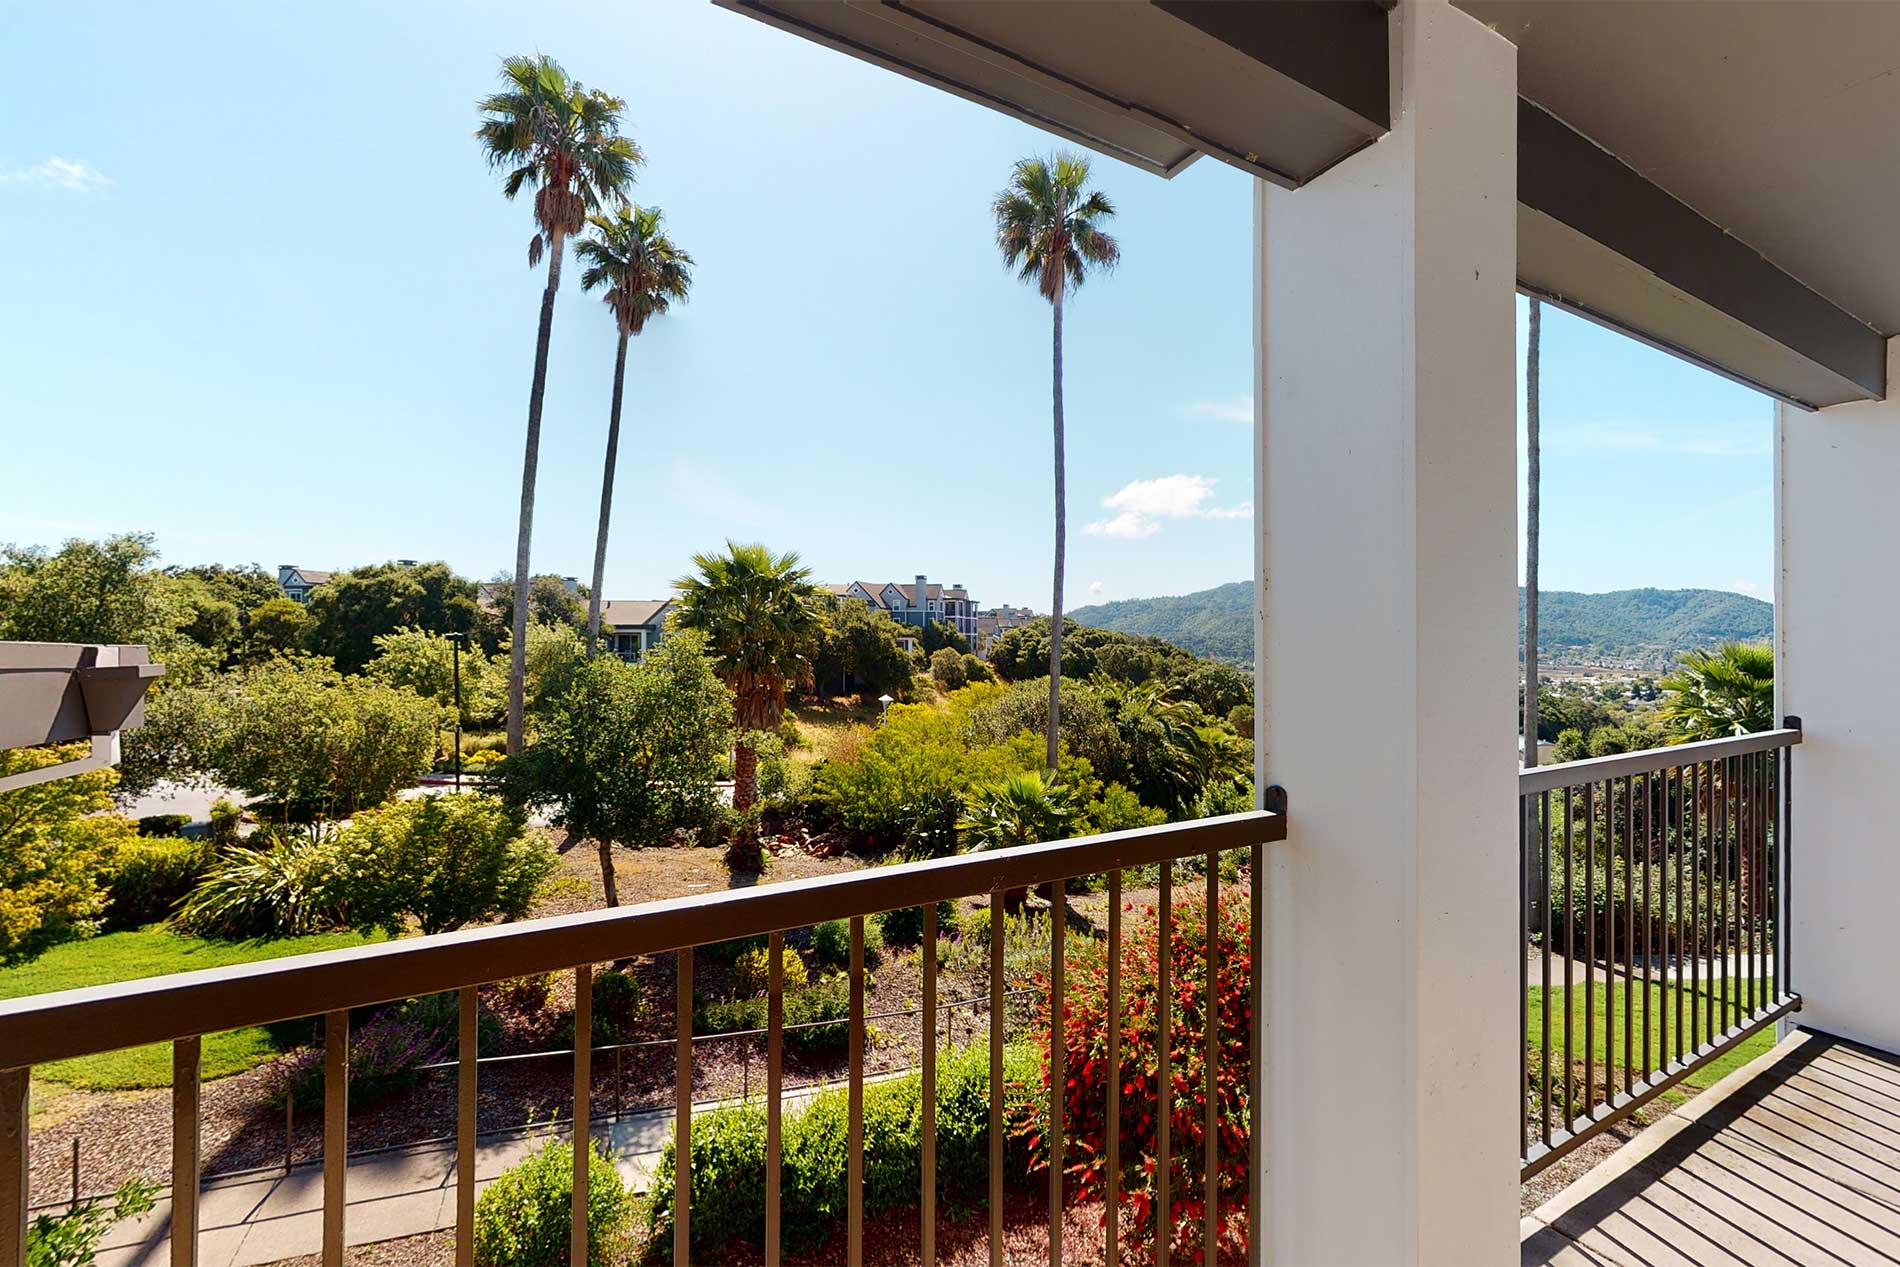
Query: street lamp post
pixel 455 641
pixel 884 715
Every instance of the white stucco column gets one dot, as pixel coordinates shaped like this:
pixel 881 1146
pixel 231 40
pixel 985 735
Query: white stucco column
pixel 1387 672
pixel 1837 606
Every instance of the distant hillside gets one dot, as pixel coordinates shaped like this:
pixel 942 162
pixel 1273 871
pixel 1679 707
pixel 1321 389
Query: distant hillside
pixel 1639 627
pixel 1216 623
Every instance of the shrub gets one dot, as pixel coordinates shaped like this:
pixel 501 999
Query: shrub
pixel 286 886
pixel 164 824
pixel 226 819
pixel 822 1011
pixel 946 669
pixel 905 927
pixel 729 952
pixel 752 971
pixel 70 1237
pixel 831 943
pixel 618 1005
pixel 728 1147
pixel 976 670
pixel 1083 1033
pixel 527 994
pixel 441 862
pixel 55 849
pixel 522 1219
pixel 386 1055
pixel 151 876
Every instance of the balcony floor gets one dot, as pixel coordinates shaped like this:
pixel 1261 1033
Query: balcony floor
pixel 1793 1159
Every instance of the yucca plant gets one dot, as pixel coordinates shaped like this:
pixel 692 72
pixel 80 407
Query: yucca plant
pixel 286 886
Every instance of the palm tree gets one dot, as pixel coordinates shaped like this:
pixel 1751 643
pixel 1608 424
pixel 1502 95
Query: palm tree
pixel 1048 227
pixel 546 131
pixel 1023 809
pixel 1715 694
pixel 644 274
pixel 761 625
pixel 1533 528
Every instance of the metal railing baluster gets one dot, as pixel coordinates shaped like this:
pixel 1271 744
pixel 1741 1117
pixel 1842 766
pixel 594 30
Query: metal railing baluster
pixel 466 1055
pixel 336 1133
pixel 1058 1071
pixel 1164 1086
pixel 1629 933
pixel 1524 872
pixel 1692 837
pixel 13 1147
pixel 1210 1236
pixel 854 1160
pixel 1543 875
pixel 186 1161
pixel 998 920
pixel 928 1133
pixel 683 1110
pixel 1589 952
pixel 584 1113
pixel 1112 1195
pixel 774 1072
pixel 1569 1118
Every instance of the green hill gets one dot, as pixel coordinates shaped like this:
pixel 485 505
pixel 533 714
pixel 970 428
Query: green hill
pixel 1648 627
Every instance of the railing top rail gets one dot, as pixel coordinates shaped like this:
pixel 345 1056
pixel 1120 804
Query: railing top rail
pixel 41 1028
pixel 1551 778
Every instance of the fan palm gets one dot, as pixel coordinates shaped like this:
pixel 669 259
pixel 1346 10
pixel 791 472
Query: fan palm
pixel 1049 229
pixel 643 274
pixel 547 132
pixel 1715 694
pixel 1023 809
pixel 757 612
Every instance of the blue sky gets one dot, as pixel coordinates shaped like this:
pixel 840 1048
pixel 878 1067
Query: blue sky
pixel 261 274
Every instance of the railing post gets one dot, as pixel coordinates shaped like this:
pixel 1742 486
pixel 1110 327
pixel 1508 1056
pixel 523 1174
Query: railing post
pixel 928 1141
pixel 774 1066
pixel 583 1108
pixel 13 1144
pixel 185 1154
pixel 336 1133
pixel 683 1112
pixel 467 1040
pixel 854 1126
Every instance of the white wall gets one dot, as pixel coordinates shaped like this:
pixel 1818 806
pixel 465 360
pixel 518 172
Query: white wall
pixel 1837 623
pixel 1387 672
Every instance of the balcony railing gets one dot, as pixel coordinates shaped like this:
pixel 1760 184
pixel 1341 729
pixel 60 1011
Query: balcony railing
pixel 181 1009
pixel 1665 874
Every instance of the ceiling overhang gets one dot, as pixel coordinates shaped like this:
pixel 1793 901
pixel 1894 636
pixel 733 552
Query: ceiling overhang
pixel 1282 91
pixel 1287 90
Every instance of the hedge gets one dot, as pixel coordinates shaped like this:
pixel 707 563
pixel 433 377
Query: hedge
pixel 729 1155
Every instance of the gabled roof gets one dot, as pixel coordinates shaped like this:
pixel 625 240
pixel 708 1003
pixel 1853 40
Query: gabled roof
pixel 310 576
pixel 634 613
pixel 864 590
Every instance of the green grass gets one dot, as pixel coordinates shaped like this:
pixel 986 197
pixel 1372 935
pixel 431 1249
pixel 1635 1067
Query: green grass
pixel 1706 1076
pixel 152 952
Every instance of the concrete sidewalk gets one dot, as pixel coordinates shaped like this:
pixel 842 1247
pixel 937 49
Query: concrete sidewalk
pixel 262 1218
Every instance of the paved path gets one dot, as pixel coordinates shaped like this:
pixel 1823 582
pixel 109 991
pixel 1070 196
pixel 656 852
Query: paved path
pixel 263 1218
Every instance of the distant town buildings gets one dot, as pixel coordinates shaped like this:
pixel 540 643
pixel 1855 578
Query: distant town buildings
pixel 994 623
pixel 630 626
pixel 297 582
pixel 916 604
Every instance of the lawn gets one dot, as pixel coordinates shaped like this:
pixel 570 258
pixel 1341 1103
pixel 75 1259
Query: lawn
pixel 152 952
pixel 823 723
pixel 1706 1076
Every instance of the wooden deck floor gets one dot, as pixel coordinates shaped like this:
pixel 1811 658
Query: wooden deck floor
pixel 1792 1160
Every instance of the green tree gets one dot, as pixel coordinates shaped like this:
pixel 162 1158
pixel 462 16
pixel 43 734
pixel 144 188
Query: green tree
pixel 946 669
pixel 937 636
pixel 857 643
pixel 1049 228
pixel 276 626
pixel 247 587
pixel 441 862
pixel 554 652
pixel 212 622
pixel 549 134
pixel 424 662
pixel 643 274
pixel 56 849
pixel 89 591
pixel 756 611
pixel 1715 694
pixel 550 602
pixel 352 609
pixel 628 753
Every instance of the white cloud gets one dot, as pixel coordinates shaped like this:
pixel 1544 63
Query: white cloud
pixel 75 175
pixel 1096 589
pixel 1141 504
pixel 1750 588
pixel 1239 409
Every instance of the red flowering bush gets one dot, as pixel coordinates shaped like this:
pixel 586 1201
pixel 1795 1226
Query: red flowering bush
pixel 1085 1043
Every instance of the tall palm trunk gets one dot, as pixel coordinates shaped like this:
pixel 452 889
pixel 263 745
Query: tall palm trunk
pixel 606 495
pixel 530 467
pixel 1062 514
pixel 1533 510
pixel 744 854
